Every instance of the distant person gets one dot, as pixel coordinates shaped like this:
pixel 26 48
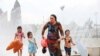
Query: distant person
pixel 53 38
pixel 68 42
pixel 32 47
pixel 19 35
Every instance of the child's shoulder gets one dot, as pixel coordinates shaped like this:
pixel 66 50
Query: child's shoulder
pixel 70 37
pixel 67 37
pixel 17 33
pixel 32 38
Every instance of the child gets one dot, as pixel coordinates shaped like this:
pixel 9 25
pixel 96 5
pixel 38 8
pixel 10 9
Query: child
pixel 68 42
pixel 19 35
pixel 32 44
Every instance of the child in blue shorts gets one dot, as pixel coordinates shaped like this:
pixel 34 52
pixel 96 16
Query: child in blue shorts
pixel 68 42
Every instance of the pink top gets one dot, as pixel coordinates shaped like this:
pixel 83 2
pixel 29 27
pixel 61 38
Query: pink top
pixel 19 35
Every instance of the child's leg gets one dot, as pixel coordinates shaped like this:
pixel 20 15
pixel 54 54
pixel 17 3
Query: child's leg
pixel 30 54
pixel 33 54
pixel 18 53
pixel 66 51
pixel 69 52
pixel 66 54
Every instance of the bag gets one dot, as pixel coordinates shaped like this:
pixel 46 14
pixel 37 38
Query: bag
pixel 44 43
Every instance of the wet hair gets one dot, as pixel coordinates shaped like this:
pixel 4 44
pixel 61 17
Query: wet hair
pixel 19 27
pixel 28 34
pixel 54 16
pixel 67 31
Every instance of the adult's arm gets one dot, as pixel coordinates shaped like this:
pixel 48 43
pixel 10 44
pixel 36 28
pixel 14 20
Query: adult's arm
pixel 61 30
pixel 44 28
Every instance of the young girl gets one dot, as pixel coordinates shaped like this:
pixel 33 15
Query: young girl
pixel 32 44
pixel 68 42
pixel 19 35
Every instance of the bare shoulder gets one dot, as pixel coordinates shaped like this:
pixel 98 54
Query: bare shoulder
pixel 70 37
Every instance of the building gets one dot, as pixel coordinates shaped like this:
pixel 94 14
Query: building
pixel 16 14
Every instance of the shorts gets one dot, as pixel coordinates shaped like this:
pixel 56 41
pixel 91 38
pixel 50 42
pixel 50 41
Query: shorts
pixel 68 51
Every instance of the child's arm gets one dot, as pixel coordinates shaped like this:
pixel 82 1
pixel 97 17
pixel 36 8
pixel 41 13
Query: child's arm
pixel 35 43
pixel 15 36
pixel 23 35
pixel 72 42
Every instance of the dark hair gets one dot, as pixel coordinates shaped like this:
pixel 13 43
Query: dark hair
pixel 54 16
pixel 19 27
pixel 28 34
pixel 67 31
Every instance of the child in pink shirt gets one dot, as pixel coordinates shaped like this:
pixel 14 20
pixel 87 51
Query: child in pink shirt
pixel 19 35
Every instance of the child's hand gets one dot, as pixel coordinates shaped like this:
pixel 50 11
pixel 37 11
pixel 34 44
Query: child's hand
pixel 62 37
pixel 59 39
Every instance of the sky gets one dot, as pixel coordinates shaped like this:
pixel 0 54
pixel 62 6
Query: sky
pixel 38 11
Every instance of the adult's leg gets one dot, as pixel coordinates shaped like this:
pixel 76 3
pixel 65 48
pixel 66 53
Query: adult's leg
pixel 50 50
pixel 58 49
pixel 54 48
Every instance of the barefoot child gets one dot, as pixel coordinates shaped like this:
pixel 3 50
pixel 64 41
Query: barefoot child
pixel 68 42
pixel 32 44
pixel 19 35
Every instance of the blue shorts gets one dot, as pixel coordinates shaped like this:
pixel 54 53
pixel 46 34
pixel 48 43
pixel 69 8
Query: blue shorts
pixel 68 51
